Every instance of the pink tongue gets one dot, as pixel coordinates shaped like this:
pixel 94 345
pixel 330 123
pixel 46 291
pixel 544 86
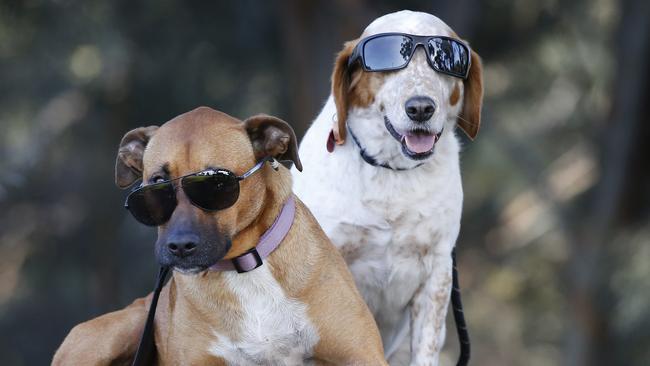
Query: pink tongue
pixel 420 143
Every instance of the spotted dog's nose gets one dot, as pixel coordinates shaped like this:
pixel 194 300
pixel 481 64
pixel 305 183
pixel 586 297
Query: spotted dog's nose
pixel 420 108
pixel 182 245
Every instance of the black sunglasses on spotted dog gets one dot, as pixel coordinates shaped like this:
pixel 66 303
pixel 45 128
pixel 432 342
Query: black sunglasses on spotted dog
pixel 393 51
pixel 210 190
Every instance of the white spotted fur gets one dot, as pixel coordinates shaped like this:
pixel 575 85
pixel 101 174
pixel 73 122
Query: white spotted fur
pixel 405 222
pixel 275 329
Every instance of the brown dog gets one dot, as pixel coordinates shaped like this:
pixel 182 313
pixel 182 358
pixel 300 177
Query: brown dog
pixel 301 306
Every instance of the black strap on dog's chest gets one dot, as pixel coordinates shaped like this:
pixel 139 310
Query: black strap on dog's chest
pixel 146 354
pixel 459 316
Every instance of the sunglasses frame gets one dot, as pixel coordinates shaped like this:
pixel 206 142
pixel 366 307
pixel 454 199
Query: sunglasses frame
pixel 358 54
pixel 239 178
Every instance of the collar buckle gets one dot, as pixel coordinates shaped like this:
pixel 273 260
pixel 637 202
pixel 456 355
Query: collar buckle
pixel 247 261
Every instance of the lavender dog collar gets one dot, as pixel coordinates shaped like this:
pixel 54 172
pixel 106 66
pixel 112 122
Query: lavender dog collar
pixel 269 241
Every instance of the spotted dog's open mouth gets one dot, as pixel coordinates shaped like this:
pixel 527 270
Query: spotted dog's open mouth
pixel 416 144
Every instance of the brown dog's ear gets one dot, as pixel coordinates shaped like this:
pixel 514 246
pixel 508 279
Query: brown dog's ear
pixel 128 165
pixel 274 137
pixel 341 82
pixel 469 119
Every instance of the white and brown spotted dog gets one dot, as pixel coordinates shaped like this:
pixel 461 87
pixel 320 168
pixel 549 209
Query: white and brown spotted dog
pixel 394 215
pixel 299 307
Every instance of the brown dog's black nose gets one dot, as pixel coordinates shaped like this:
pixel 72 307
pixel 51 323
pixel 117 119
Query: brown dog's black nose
pixel 182 245
pixel 420 108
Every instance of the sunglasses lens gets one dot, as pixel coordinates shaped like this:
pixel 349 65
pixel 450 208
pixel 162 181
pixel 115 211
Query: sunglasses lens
pixel 387 52
pixel 212 192
pixel 152 205
pixel 449 56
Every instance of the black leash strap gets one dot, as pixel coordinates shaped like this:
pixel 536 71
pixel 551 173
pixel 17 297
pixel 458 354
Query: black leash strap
pixel 146 354
pixel 459 316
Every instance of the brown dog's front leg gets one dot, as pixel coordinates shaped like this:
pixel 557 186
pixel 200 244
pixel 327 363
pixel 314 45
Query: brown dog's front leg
pixel 110 339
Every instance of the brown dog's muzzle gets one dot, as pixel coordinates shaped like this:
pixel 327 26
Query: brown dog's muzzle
pixel 190 241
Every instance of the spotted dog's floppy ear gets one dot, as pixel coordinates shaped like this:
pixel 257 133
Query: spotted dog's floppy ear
pixel 341 83
pixel 274 137
pixel 469 119
pixel 128 165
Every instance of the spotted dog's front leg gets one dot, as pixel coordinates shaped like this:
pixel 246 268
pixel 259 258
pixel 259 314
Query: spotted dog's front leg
pixel 428 313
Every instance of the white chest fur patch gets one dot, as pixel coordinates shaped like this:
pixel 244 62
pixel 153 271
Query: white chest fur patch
pixel 275 329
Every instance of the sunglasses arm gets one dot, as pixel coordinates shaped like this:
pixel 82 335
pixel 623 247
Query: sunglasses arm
pixel 258 166
pixel 354 57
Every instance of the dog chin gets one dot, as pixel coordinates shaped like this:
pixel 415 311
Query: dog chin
pixel 188 266
pixel 189 270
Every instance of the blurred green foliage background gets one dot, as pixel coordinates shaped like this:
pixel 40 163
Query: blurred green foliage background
pixel 553 250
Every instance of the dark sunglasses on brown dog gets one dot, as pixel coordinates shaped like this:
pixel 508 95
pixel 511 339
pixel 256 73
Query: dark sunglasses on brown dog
pixel 210 190
pixel 393 51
